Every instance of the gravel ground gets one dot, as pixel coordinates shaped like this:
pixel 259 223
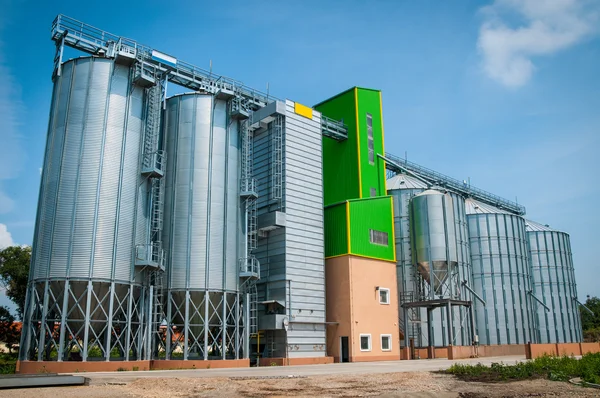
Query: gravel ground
pixel 414 384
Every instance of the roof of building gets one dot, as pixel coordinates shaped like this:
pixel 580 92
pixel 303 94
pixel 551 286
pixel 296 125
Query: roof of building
pixel 404 181
pixel 473 206
pixel 533 226
pixel 344 92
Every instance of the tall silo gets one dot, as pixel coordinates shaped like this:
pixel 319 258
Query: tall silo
pixel 553 279
pixel 202 227
pixel 501 274
pixel 403 189
pixel 85 297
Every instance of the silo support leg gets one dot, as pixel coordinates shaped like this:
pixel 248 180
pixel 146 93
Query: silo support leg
pixel 450 319
pixel 430 333
pixel 406 333
pixel 63 321
pixel 473 331
pixel 247 326
pixel 109 327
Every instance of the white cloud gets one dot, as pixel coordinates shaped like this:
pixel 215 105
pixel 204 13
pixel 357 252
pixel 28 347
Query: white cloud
pixel 5 237
pixel 547 26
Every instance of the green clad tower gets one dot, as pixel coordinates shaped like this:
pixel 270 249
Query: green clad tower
pixel 358 215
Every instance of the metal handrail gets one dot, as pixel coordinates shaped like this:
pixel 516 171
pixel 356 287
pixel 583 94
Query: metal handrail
pixel 90 39
pixel 435 177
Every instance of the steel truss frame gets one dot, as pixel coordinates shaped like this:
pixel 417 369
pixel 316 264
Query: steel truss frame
pixel 78 320
pixel 204 325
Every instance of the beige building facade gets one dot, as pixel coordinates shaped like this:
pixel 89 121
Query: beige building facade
pixel 362 309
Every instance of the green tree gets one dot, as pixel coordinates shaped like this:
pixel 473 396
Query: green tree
pixel 14 274
pixel 591 323
pixel 9 332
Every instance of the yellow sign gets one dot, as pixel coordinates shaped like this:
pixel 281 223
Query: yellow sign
pixel 303 110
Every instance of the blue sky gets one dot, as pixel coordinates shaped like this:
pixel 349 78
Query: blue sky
pixel 505 92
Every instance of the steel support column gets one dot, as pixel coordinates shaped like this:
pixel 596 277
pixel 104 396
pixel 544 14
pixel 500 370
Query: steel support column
pixel 109 320
pixel 63 321
pixel 86 332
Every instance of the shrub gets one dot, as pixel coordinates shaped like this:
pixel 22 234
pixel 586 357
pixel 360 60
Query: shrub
pixel 550 367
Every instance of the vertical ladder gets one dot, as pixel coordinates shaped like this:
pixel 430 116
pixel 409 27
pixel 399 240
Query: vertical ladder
pixel 253 309
pixel 158 314
pixel 158 192
pixel 277 158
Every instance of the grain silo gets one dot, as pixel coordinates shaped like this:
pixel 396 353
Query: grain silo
pixel 85 294
pixel 202 227
pixel 501 274
pixel 414 285
pixel 553 281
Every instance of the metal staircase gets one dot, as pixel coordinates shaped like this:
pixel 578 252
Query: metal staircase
pixel 249 266
pixel 413 329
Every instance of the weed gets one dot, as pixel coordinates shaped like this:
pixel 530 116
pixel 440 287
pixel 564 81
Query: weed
pixel 135 368
pixel 120 369
pixel 552 368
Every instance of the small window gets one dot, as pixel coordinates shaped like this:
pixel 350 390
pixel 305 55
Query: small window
pixel 379 237
pixel 365 342
pixel 370 139
pixel 386 342
pixel 384 295
pixel 373 192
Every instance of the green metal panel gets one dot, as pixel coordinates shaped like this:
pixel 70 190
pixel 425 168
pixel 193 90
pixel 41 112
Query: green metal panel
pixel 340 159
pixel 375 214
pixel 336 230
pixel 372 174
pixel 347 171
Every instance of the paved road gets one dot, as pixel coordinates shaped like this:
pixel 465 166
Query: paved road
pixel 305 370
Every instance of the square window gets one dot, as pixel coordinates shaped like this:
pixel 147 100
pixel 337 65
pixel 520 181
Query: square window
pixel 373 192
pixel 386 342
pixel 365 342
pixel 384 295
pixel 379 237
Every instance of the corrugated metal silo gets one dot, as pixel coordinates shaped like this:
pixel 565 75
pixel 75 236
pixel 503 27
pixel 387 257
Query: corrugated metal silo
pixel 501 274
pixel 403 189
pixel 202 226
pixel 83 274
pixel 553 279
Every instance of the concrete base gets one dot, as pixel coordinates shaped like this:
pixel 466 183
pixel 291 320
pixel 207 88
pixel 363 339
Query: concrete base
pixel 560 349
pixel 295 361
pixel 462 352
pixel 33 367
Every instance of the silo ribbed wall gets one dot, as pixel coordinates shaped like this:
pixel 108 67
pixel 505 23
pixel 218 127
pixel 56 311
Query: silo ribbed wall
pixel 406 271
pixel 85 234
pixel 202 218
pixel 553 281
pixel 501 277
pixel 87 202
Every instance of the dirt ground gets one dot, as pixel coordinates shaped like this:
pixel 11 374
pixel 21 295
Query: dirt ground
pixel 415 384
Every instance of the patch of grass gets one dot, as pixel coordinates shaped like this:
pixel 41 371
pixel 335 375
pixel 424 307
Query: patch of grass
pixel 8 363
pixel 548 367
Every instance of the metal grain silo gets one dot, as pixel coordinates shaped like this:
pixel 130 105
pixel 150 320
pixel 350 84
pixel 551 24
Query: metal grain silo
pixel 403 189
pixel 202 226
pixel 84 291
pixel 501 274
pixel 553 280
